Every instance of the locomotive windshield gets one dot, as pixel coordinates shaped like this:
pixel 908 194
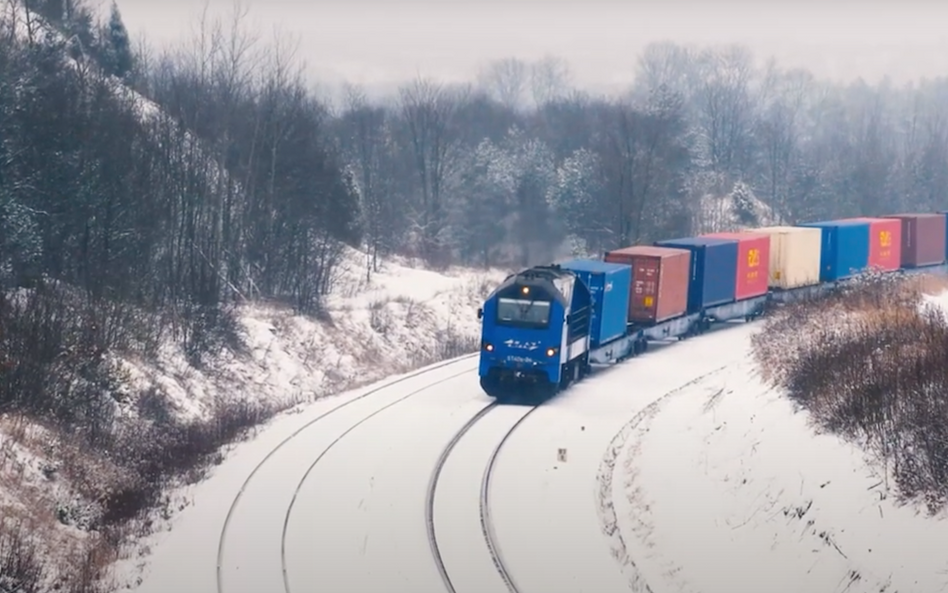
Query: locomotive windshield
pixel 523 312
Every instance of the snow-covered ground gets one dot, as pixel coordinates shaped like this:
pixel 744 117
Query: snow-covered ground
pixel 724 487
pixel 676 471
pixel 681 464
pixel 403 318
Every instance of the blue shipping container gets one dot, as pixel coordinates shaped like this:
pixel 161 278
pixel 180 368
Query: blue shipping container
pixel 845 249
pixel 713 270
pixel 609 285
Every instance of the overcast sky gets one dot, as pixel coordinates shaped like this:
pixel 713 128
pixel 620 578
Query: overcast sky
pixel 387 41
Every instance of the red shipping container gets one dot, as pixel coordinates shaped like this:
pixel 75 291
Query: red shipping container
pixel 753 262
pixel 885 242
pixel 660 280
pixel 923 239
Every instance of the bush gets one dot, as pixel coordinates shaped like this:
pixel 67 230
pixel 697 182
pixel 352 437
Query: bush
pixel 21 569
pixel 58 370
pixel 869 364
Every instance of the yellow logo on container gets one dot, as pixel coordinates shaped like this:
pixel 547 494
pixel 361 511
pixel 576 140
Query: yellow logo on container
pixel 885 238
pixel 753 258
pixel 647 301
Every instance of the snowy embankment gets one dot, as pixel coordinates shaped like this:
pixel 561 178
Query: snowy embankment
pixel 726 485
pixel 403 318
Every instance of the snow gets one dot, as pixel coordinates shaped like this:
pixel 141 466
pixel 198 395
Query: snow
pixel 347 491
pixel 401 319
pixel 936 302
pixel 683 472
pixel 723 486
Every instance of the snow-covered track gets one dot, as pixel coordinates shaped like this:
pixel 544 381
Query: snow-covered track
pixel 487 527
pixel 312 466
pixel 433 486
pixel 501 426
pixel 379 389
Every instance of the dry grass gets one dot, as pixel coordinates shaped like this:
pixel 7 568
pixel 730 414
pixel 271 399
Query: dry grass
pixel 871 364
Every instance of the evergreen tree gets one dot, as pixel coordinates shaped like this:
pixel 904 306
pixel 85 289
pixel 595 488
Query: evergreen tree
pixel 119 59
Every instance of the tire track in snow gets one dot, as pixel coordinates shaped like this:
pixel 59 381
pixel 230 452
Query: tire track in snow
pixel 233 506
pixel 606 507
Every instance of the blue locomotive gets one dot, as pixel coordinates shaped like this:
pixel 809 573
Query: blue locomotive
pixel 535 333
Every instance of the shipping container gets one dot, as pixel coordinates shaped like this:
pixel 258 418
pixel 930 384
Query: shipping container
pixel 659 289
pixel 794 256
pixel 753 262
pixel 923 239
pixel 945 213
pixel 885 242
pixel 608 285
pixel 844 249
pixel 713 270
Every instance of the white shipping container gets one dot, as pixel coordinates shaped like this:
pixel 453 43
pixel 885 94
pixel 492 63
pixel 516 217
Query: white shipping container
pixel 794 255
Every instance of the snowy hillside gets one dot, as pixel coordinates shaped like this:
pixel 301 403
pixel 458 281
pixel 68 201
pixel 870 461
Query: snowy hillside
pixel 727 485
pixel 401 319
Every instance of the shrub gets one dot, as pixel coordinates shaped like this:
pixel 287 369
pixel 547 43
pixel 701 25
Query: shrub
pixel 868 363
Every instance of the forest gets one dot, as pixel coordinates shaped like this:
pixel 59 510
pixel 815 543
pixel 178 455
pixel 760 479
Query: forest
pixel 146 194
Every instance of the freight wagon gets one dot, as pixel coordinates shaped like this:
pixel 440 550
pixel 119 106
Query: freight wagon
pixel 543 328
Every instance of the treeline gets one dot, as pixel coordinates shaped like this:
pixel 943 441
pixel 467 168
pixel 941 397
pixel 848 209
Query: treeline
pixel 496 172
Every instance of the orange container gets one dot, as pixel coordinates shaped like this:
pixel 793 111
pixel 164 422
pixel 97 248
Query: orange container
pixel 660 279
pixel 753 262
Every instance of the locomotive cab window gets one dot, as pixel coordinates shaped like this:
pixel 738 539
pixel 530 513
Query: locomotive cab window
pixel 523 312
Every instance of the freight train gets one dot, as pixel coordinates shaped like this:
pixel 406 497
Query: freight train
pixel 543 328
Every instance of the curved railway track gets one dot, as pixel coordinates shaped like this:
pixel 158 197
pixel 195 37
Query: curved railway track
pixel 233 506
pixel 484 499
pixel 487 527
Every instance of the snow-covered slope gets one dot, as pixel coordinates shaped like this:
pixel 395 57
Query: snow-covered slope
pixel 403 318
pixel 725 486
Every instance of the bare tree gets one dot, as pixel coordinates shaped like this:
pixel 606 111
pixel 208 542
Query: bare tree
pixel 783 96
pixel 364 138
pixel 726 109
pixel 428 110
pixel 550 78
pixel 665 64
pixel 506 80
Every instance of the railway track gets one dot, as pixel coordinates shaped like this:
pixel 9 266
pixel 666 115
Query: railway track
pixel 233 506
pixel 484 501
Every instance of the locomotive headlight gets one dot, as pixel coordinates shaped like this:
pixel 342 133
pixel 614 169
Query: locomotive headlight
pixel 489 347
pixel 550 351
pixel 525 290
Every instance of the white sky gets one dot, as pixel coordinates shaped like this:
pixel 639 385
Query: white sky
pixel 388 41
